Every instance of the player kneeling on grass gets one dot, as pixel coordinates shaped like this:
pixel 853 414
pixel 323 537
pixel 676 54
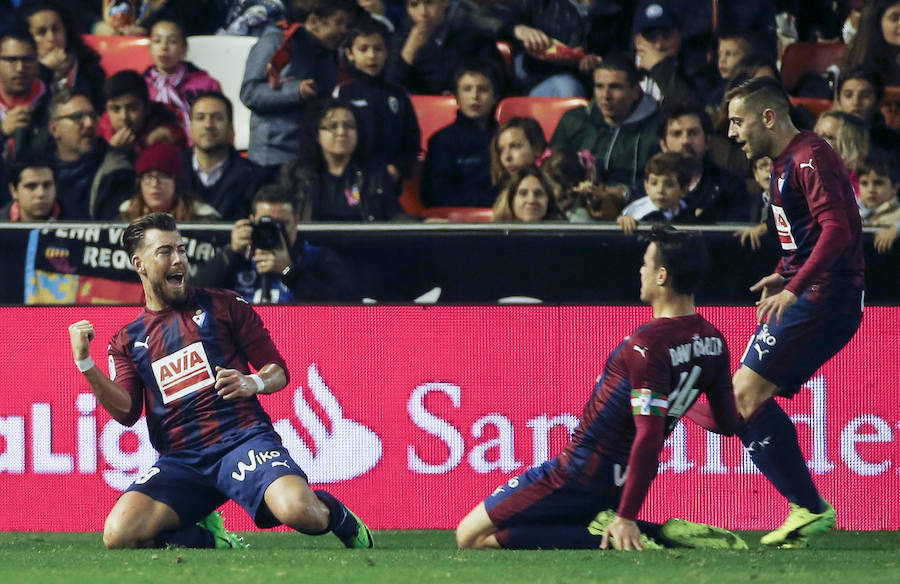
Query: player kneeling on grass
pixel 590 494
pixel 187 356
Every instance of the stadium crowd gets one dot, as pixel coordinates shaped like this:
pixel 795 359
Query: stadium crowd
pixel 412 110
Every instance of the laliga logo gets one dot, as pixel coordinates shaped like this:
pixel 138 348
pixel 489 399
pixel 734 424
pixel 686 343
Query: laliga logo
pixel 346 451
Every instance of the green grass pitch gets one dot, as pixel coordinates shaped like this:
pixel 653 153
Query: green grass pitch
pixel 431 556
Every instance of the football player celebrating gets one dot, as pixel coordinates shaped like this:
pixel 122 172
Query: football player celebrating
pixel 186 360
pixel 809 308
pixel 590 494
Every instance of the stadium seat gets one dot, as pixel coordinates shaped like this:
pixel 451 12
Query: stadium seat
pixel 223 56
pixel 119 53
pixel 461 214
pixel 814 104
pixel 409 199
pixel 546 110
pixel 433 112
pixel 800 58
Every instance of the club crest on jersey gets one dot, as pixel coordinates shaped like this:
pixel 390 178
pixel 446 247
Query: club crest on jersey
pixel 780 183
pixel 647 403
pixel 199 318
pixel 183 372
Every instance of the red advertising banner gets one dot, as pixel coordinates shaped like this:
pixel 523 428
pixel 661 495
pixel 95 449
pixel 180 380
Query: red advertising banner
pixel 413 414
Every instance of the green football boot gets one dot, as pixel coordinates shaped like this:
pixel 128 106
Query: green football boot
pixel 604 518
pixel 363 537
pixel 800 524
pixel 685 534
pixel 215 524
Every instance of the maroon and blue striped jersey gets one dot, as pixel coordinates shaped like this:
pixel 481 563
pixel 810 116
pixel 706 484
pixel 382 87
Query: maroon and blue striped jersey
pixel 816 216
pixel 167 361
pixel 650 380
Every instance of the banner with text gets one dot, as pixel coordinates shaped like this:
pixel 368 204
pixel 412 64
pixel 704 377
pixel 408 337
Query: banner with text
pixel 413 414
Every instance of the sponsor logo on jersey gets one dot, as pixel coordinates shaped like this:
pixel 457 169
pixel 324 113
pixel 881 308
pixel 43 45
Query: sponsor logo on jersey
pixel 183 372
pixel 142 344
pixel 783 226
pixel 641 350
pixel 256 459
pixel 808 165
pixel 647 403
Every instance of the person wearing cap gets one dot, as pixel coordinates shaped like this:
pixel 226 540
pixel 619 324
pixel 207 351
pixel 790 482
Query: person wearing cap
pixel 159 188
pixel 658 52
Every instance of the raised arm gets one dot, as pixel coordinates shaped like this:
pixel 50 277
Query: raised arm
pixel 114 398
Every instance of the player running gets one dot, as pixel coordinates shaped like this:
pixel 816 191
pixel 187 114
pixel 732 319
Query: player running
pixel 649 382
pixel 809 308
pixel 185 360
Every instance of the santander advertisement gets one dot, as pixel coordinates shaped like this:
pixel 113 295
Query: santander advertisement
pixel 412 415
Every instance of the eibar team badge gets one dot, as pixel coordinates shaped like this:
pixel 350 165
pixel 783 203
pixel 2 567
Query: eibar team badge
pixel 199 318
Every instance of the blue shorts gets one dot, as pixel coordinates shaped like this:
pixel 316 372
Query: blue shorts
pixel 812 331
pixel 551 495
pixel 196 482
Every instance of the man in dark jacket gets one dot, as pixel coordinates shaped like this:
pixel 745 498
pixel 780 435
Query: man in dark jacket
pixel 283 270
pixel 714 194
pixel 23 99
pixel 216 172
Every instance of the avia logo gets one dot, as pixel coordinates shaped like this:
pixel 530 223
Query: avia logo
pixel 334 448
pixel 256 459
pixel 808 165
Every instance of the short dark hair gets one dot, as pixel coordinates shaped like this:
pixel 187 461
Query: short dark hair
pixel 762 93
pixel 620 63
pixel 682 253
pixel 16 168
pixel 274 193
pixel 673 108
pixel 879 162
pixel 300 10
pixel 133 236
pixel 64 96
pixel 366 26
pixel 20 36
pixel 480 68
pixel 127 83
pixel 663 163
pixel 207 94
pixel 873 77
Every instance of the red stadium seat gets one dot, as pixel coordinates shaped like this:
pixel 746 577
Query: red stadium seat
pixel 409 199
pixel 118 53
pixel 800 58
pixel 433 112
pixel 814 104
pixel 461 214
pixel 546 110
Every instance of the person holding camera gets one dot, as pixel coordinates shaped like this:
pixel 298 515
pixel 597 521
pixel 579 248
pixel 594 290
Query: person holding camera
pixel 267 263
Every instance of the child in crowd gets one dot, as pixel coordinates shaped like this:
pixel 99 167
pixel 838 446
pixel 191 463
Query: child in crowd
pixel 172 80
pixel 288 68
pixel 518 142
pixel 733 48
pixel 666 180
pixel 527 197
pixel 579 197
pixel 387 125
pixel 762 176
pixel 458 163
pixel 879 182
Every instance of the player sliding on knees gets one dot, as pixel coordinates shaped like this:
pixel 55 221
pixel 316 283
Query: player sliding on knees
pixel 589 495
pixel 185 360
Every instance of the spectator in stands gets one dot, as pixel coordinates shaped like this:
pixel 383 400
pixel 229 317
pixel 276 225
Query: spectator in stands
pixel 579 196
pixel 131 121
pixel 458 160
pixel 438 37
pixel 879 183
pixel 527 197
pixel 562 41
pixel 390 13
pixel 619 125
pixel 215 171
pixel 732 48
pixel 280 271
pixel 762 176
pixel 91 178
pixel 848 136
pixel 23 99
pixel 671 72
pixel 32 186
pixel 251 17
pixel 518 142
pixel 172 80
pixel 160 188
pixel 714 194
pixel 287 69
pixel 66 61
pixel 876 45
pixel 137 17
pixel 860 92
pixel 330 181
pixel 388 127
pixel 666 183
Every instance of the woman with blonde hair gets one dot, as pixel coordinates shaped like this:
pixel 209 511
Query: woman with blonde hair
pixel 849 137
